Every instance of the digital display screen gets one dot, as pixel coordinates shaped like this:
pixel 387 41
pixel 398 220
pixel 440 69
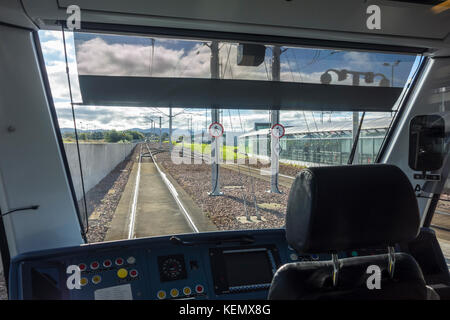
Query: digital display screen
pixel 247 268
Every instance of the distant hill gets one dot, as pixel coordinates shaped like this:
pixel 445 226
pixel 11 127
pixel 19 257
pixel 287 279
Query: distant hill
pixel 64 130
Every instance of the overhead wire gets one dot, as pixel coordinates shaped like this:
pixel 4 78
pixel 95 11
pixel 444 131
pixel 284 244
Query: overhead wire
pixel 226 63
pixel 86 226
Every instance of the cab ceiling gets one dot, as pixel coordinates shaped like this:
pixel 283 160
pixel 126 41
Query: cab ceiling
pixel 404 24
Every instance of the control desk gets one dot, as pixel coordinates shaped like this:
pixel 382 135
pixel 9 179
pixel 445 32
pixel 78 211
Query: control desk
pixel 213 265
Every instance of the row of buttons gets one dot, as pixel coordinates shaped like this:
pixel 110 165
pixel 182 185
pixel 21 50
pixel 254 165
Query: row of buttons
pixel 175 292
pixel 107 263
pixel 95 280
pixel 121 273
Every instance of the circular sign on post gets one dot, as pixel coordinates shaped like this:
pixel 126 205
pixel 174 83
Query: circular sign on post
pixel 215 129
pixel 278 131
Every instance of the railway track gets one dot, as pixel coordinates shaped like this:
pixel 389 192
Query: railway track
pixel 156 207
pixel 441 220
pixel 174 193
pixel 446 213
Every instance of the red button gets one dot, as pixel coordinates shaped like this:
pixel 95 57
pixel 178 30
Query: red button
pixel 199 288
pixel 133 273
pixel 119 261
pixel 94 265
pixel 82 266
pixel 107 263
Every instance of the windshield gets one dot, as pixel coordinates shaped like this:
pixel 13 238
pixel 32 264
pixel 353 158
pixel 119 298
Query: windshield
pixel 155 147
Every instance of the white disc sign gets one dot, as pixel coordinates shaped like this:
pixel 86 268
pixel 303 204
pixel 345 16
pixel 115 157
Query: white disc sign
pixel 215 129
pixel 278 130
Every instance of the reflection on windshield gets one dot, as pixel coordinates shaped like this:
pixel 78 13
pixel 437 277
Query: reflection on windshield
pixel 114 55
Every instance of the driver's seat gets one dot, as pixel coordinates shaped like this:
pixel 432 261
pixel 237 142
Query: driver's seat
pixel 342 208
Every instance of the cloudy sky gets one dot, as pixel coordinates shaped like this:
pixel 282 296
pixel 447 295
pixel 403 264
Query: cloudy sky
pixel 94 54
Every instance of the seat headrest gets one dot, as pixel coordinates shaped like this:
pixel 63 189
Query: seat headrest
pixel 350 207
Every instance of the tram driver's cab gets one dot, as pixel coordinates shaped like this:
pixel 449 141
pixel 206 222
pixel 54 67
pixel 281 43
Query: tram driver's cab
pixel 338 205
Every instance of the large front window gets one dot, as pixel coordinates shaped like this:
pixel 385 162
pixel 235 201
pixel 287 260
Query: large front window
pixel 177 135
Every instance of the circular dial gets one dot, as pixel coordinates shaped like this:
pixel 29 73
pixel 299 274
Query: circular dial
pixel 172 268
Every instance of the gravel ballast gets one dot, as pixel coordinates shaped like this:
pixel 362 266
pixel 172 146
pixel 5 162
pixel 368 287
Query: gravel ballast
pixel 239 193
pixel 102 200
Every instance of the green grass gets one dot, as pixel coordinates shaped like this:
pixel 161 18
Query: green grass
pixel 228 152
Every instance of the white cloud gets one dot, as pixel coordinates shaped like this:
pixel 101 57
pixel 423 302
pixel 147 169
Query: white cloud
pixel 96 57
pixel 58 81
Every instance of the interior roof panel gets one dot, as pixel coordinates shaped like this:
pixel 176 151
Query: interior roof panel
pixel 403 23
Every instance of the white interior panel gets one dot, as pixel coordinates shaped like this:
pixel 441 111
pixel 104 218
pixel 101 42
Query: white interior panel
pixel 31 167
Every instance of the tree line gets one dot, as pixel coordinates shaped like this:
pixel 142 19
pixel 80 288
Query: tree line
pixel 112 136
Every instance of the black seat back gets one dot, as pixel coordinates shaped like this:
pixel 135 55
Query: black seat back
pixel 313 280
pixel 334 209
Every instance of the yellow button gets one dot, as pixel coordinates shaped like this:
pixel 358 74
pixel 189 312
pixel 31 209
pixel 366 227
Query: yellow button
pixel 122 273
pixel 96 279
pixel 174 292
pixel 83 281
pixel 161 294
pixel 187 291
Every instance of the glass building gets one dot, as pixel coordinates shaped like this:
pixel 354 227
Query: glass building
pixel 327 143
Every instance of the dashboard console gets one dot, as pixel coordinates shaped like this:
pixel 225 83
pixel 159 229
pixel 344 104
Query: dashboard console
pixel 213 265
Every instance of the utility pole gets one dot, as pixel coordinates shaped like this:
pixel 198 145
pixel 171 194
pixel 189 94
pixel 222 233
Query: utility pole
pixel 192 132
pixel 215 150
pixel 355 82
pixel 392 65
pixel 160 135
pixel 189 125
pixel 188 133
pixel 354 133
pixel 170 129
pixel 151 130
pixel 275 119
pixel 205 132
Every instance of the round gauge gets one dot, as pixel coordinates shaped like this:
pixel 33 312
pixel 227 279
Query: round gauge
pixel 172 267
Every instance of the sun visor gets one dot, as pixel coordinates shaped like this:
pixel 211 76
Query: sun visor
pixel 232 94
